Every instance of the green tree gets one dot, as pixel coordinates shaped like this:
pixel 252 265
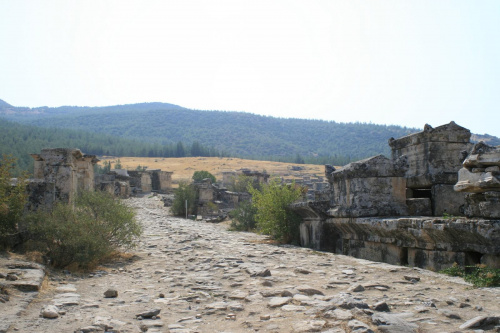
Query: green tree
pixel 244 216
pixel 118 164
pixel 200 175
pixel 241 183
pixel 84 234
pixel 179 150
pixel 184 192
pixel 274 216
pixel 12 197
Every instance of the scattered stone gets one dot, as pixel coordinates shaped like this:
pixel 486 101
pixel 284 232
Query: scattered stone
pixel 480 321
pixel 356 288
pixel 276 302
pixel 301 270
pixel 381 307
pixel 308 290
pixel 111 293
pixel 149 313
pixel 393 323
pixel 50 312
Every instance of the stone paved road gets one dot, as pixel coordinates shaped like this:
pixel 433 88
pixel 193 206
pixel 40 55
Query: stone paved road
pixel 191 276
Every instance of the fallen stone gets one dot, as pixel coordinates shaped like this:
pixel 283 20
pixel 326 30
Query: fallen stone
pixel 149 313
pixel 381 307
pixel 356 288
pixel 393 323
pixel 111 293
pixel 276 302
pixel 50 312
pixel 309 290
pixel 480 321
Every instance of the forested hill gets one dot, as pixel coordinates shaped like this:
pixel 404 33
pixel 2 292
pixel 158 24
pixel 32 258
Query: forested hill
pixel 237 133
pixel 21 140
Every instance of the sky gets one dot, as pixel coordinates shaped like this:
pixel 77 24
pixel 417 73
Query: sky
pixel 406 63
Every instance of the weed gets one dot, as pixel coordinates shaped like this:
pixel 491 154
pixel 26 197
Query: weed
pixel 478 275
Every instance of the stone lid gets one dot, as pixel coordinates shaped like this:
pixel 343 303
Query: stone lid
pixel 377 166
pixel 446 133
pixel 483 155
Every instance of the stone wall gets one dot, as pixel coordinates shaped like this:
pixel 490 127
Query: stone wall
pixel 480 178
pixel 431 243
pixel 362 212
pixel 68 169
pixel 371 187
pixel 434 157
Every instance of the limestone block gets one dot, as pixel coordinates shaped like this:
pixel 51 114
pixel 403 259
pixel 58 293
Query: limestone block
pixel 370 187
pixel 485 205
pixel 434 155
pixel 477 182
pixel 482 156
pixel 419 206
pixel 434 260
pixel 446 201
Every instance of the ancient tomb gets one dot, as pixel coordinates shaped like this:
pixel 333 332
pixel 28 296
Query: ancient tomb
pixel 405 210
pixel 69 170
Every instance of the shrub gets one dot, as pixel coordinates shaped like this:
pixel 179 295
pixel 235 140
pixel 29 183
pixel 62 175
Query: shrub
pixel 184 192
pixel 243 217
pixel 12 197
pixel 274 216
pixel 479 275
pixel 200 175
pixel 98 225
pixel 242 183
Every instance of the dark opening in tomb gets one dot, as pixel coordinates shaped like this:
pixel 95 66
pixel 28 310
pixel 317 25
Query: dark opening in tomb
pixel 472 258
pixel 422 193
pixel 403 256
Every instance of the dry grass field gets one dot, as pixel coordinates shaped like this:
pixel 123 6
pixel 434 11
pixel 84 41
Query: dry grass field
pixel 183 168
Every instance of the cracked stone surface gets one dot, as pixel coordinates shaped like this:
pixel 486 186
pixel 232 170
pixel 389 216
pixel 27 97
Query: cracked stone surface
pixel 192 276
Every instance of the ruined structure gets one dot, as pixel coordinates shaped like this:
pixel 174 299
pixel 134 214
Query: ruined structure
pixel 404 210
pixel 434 157
pixel 124 183
pixel 69 170
pixel 480 178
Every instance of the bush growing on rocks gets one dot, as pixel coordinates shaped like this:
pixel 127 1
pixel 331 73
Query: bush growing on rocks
pixel 274 217
pixel 12 199
pixel 184 192
pixel 84 234
pixel 244 217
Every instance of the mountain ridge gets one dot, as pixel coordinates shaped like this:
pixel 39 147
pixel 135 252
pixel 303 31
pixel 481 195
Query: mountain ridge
pixel 239 133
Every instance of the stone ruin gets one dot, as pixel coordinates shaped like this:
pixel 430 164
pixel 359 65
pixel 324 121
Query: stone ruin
pixel 59 173
pixel 215 200
pixel 124 183
pixel 414 208
pixel 480 178
pixel 58 176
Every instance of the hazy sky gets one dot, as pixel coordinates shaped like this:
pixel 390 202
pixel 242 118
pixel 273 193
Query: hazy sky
pixel 405 62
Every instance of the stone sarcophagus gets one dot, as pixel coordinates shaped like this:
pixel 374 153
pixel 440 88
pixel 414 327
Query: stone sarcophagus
pixel 372 187
pixel 68 169
pixel 434 157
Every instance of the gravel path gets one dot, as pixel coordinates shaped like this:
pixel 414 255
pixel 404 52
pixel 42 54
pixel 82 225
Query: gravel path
pixel 188 276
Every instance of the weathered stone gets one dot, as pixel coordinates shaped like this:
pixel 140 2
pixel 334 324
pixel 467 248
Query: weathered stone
pixel 50 312
pixel 149 313
pixel 371 187
pixel 68 169
pixel 477 182
pixel 381 307
pixel 276 302
pixel 393 323
pixel 434 155
pixel 111 293
pixel 308 290
pixel 480 321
